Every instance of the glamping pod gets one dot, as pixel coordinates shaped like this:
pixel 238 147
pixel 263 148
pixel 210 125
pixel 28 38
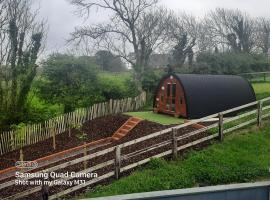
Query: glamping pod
pixel 194 96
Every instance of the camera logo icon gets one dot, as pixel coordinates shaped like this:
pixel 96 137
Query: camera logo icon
pixel 26 164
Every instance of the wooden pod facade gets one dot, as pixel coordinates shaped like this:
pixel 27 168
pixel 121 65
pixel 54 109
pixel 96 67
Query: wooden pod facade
pixel 193 96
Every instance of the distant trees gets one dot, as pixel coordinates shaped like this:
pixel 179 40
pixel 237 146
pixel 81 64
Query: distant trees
pixel 229 63
pixel 109 62
pixel 263 35
pixel 232 28
pixel 21 38
pixel 137 26
pixel 183 32
pixel 138 29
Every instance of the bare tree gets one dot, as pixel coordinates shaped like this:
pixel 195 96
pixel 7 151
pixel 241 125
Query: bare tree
pixel 206 41
pixel 183 32
pixel 136 26
pixel 21 40
pixel 232 28
pixel 263 34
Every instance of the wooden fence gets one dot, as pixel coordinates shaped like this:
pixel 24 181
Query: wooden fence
pixel 33 133
pixel 255 75
pixel 254 113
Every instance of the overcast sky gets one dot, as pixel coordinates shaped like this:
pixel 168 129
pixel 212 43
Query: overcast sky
pixel 62 20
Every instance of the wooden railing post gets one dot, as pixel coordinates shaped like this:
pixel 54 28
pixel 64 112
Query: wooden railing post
pixel 84 154
pixel 54 138
pixel 44 190
pixel 259 114
pixel 174 143
pixel 69 127
pixel 220 126
pixel 21 155
pixel 117 162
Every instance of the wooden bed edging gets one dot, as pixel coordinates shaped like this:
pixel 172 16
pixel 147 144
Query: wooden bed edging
pixel 108 139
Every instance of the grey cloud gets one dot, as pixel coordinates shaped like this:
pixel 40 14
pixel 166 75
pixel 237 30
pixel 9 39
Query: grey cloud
pixel 62 20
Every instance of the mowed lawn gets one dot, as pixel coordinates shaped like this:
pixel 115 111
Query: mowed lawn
pixel 239 158
pixel 159 118
pixel 262 89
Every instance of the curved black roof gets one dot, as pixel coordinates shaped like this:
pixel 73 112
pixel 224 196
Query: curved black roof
pixel 209 94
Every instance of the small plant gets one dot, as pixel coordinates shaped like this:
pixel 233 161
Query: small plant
pixel 72 125
pixel 81 135
pixel 19 137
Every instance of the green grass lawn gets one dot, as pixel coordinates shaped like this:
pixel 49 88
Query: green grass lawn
pixel 159 118
pixel 262 89
pixel 240 158
pixel 120 77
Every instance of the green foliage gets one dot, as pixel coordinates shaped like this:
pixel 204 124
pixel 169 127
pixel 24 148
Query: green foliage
pixel 19 132
pixel 69 80
pixel 81 135
pixel 150 81
pixel 116 86
pixel 240 158
pixel 18 59
pixel 39 110
pixel 229 63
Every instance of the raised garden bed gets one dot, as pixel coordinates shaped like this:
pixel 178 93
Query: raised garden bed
pixel 112 123
pixel 96 129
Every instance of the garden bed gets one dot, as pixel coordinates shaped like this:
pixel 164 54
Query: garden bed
pixel 96 129
pixel 142 129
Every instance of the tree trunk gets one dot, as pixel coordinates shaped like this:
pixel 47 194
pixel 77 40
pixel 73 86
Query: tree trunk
pixel 137 77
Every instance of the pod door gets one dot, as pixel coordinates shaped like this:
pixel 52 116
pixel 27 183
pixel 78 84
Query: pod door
pixel 171 97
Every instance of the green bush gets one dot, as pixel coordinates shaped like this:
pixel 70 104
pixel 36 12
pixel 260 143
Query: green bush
pixel 69 80
pixel 116 86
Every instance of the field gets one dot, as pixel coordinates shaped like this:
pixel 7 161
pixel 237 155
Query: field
pixel 262 89
pixel 240 158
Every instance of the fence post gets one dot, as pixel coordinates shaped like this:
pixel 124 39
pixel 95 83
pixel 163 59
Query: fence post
pixel 84 154
pixel 220 127
pixel 53 129
pixel 44 190
pixel 259 114
pixel 174 143
pixel 21 154
pixel 69 127
pixel 117 161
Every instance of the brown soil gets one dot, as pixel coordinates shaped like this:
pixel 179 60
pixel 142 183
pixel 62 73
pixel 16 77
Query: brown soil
pixel 96 129
pixel 142 129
